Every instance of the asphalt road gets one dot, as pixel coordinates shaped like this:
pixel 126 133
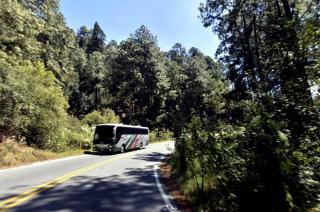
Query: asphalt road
pixel 119 182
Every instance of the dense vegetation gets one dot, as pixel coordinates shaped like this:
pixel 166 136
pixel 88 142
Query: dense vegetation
pixel 247 126
pixel 56 84
pixel 259 150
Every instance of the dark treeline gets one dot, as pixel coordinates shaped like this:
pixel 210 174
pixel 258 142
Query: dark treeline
pixel 246 127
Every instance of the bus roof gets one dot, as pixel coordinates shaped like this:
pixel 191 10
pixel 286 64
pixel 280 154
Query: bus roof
pixel 122 125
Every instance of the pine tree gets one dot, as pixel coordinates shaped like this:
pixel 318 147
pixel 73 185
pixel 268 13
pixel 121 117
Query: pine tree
pixel 97 39
pixel 138 79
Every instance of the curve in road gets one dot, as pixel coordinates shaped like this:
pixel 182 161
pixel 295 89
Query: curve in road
pixel 122 182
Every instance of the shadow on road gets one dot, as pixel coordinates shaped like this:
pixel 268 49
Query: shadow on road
pixel 98 153
pixel 151 157
pixel 134 190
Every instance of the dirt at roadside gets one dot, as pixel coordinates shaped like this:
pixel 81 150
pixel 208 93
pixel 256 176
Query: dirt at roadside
pixel 13 154
pixel 172 187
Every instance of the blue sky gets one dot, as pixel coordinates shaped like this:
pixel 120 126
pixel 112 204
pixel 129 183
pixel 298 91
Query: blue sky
pixel 171 21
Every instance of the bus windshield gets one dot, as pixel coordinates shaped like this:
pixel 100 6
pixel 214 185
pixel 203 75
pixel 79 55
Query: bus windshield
pixel 104 133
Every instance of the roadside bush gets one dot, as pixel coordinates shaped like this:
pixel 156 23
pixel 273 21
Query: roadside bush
pixel 242 168
pixel 152 137
pixel 79 134
pixel 210 164
pixel 100 117
pixel 34 108
pixel 162 134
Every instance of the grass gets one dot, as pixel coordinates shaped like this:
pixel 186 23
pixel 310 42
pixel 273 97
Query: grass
pixel 14 154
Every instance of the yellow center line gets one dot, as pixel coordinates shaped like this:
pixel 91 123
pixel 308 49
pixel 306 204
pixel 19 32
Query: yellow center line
pixel 30 193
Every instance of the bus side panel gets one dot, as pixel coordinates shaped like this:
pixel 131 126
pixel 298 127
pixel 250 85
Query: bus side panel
pixel 135 142
pixel 146 140
pixel 132 141
pixel 124 140
pixel 141 138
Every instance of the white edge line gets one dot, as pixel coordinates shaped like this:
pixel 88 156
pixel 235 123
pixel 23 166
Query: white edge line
pixel 163 194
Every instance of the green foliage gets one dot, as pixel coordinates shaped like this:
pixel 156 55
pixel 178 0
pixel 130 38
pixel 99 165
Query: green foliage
pixel 54 41
pixel 246 127
pixel 93 92
pixel 194 87
pixel 19 28
pixel 152 137
pixel 34 107
pixel 78 134
pixel 91 64
pixel 253 146
pixel 213 164
pixel 162 134
pixel 134 78
pixel 96 41
pixel 83 37
pixel 103 117
pixel 138 79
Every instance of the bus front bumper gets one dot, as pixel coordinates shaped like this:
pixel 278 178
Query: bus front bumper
pixel 102 147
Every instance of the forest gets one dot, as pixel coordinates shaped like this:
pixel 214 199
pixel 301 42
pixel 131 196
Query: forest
pixel 246 124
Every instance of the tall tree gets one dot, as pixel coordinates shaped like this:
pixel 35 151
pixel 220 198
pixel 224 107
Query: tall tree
pixel 138 79
pixel 267 63
pixel 175 65
pixel 92 64
pixel 177 53
pixel 97 39
pixel 92 92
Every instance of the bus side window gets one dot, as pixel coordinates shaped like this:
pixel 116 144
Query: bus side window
pixel 119 132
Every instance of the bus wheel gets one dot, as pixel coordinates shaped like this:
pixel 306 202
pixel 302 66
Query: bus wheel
pixel 122 149
pixel 141 145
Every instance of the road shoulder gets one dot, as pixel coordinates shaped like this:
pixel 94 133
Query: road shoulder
pixel 172 187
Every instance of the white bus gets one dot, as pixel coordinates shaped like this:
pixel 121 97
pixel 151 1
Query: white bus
pixel 119 137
